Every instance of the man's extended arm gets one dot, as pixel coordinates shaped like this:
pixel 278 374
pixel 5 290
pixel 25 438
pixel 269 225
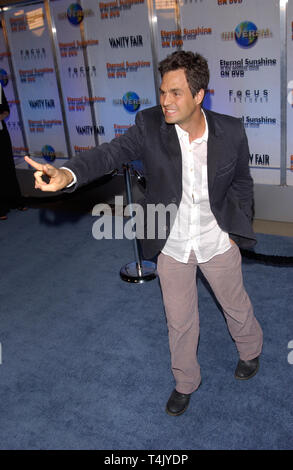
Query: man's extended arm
pixel 94 163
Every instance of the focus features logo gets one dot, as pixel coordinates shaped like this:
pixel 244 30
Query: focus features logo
pixel 248 96
pixel 82 71
pixel 33 54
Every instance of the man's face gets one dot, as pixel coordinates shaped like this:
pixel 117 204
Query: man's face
pixel 178 104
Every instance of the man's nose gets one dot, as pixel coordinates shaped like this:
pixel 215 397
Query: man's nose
pixel 166 99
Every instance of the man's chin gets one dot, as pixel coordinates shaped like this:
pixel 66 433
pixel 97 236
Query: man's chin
pixel 170 119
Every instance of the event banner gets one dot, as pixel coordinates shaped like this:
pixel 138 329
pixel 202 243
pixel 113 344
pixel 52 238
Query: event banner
pixel 241 41
pixel 290 93
pixel 124 78
pixel 72 49
pixel 33 65
pixel 166 28
pixel 13 122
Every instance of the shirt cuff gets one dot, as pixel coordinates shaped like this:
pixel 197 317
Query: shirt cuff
pixel 73 175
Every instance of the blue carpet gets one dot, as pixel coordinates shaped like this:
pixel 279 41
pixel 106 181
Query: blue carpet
pixel 85 357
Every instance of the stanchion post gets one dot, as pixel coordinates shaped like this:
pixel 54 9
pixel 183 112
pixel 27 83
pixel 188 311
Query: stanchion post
pixel 140 270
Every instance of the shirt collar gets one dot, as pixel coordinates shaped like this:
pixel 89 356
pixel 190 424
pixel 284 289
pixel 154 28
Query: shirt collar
pixel 181 133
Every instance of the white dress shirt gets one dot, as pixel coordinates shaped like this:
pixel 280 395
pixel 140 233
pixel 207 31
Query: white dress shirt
pixel 195 227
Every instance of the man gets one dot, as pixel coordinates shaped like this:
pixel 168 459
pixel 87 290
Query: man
pixel 198 160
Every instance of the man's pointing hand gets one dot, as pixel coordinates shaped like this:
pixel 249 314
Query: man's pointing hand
pixel 58 178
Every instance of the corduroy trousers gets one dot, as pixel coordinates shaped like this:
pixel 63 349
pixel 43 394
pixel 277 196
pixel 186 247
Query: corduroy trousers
pixel 178 283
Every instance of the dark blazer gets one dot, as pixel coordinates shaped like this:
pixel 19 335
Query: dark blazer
pixel 155 142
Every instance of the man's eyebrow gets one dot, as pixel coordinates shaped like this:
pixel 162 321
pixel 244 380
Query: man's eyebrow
pixel 172 90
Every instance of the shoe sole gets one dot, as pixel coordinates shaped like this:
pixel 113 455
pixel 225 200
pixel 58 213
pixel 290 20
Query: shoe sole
pixel 249 377
pixel 176 414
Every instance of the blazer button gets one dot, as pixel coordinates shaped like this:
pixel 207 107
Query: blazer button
pixel 174 199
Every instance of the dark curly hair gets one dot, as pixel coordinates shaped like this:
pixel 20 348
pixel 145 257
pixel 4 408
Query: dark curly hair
pixel 195 67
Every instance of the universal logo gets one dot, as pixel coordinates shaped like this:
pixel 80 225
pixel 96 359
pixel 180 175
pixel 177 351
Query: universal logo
pixel 48 153
pixel 131 102
pixel 75 14
pixel 248 96
pixel 246 34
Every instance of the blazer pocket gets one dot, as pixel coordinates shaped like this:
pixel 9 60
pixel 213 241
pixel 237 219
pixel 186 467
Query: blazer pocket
pixel 226 168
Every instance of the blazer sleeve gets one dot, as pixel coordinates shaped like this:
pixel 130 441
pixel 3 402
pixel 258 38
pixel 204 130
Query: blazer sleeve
pixel 90 165
pixel 243 183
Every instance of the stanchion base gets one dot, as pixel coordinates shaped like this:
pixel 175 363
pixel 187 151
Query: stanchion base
pixel 130 273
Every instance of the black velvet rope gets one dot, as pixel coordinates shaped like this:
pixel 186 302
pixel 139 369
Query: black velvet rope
pixel 273 260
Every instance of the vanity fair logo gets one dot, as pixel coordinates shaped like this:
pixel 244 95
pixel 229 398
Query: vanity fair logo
pixel 42 104
pixel 126 41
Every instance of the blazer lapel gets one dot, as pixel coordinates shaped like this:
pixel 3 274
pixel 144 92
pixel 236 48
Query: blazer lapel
pixel 172 145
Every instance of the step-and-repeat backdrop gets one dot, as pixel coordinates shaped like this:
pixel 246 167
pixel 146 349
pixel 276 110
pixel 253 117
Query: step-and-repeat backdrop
pixel 289 179
pixel 79 72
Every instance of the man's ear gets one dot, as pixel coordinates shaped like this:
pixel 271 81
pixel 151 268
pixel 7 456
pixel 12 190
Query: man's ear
pixel 199 96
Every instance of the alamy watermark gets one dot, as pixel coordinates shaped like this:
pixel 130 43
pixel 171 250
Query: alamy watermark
pixel 151 221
